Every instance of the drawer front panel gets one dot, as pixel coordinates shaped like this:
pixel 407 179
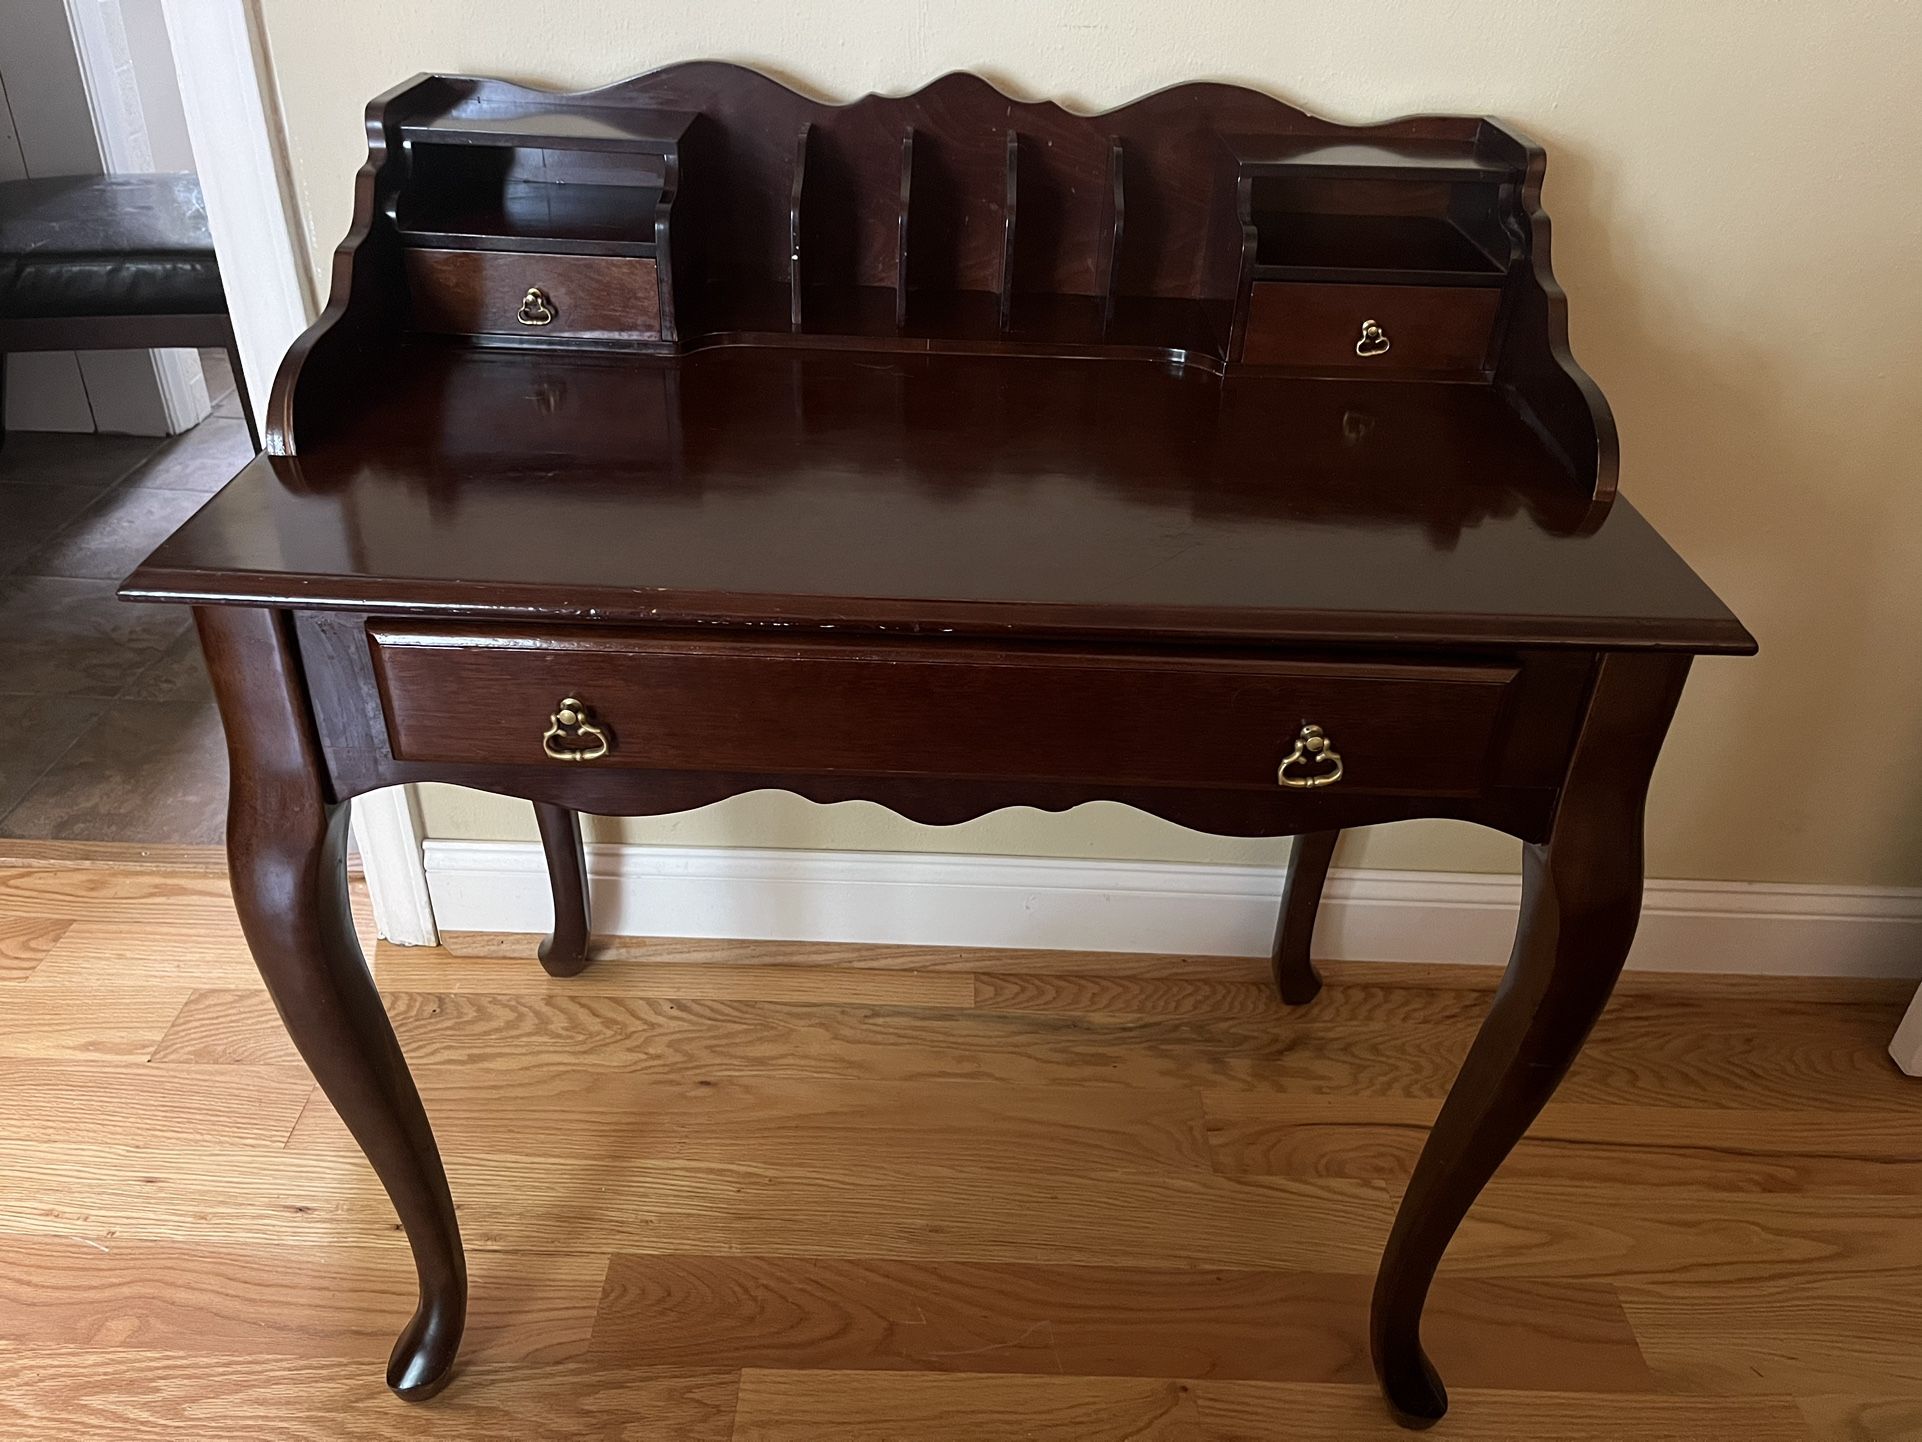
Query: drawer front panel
pixel 589 297
pixel 1427 329
pixel 454 695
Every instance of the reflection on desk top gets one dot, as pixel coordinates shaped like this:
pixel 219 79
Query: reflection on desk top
pixel 807 489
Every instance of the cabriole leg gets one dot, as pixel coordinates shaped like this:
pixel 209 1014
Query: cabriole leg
pixel 564 953
pixel 1581 899
pixel 286 848
pixel 1308 862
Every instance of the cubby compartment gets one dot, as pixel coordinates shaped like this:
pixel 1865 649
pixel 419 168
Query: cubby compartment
pixel 552 201
pixel 556 181
pixel 1065 239
pixel 959 199
pixel 848 198
pixel 1413 212
pixel 1311 229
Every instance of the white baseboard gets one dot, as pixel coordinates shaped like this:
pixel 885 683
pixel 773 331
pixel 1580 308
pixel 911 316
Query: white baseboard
pixel 1144 906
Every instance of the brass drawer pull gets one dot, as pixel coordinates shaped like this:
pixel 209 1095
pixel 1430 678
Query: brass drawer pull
pixel 570 736
pixel 1312 748
pixel 1373 342
pixel 537 309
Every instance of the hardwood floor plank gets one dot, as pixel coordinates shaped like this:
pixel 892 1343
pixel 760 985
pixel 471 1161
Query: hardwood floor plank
pixel 336 1301
pixel 61 1394
pixel 25 942
pixel 156 927
pixel 932 1407
pixel 1754 1052
pixel 1865 1418
pixel 78 885
pixel 1402 992
pixel 115 855
pixel 1741 988
pixel 189 950
pixel 86 1023
pixel 210 1190
pixel 1804 1333
pixel 1634 1233
pixel 799 1121
pixel 712 951
pixel 140 1104
pixel 1179 996
pixel 427 968
pixel 902 1043
pixel 790 1313
pixel 1262 1134
pixel 224 1025
pixel 1266 1411
pixel 109 893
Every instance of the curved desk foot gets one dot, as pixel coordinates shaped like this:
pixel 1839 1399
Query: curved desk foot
pixel 1581 899
pixel 1412 1388
pixel 422 1361
pixel 564 953
pixel 1308 859
pixel 286 848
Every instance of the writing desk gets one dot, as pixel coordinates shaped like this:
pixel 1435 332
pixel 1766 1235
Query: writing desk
pixel 844 474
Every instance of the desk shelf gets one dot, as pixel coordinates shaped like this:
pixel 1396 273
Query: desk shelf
pixel 555 126
pixel 1381 249
pixel 1378 157
pixel 527 215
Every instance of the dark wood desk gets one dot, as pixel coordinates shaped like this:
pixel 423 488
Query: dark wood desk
pixel 1046 535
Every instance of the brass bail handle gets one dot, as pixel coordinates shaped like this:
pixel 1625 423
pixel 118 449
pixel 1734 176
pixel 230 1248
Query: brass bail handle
pixel 1312 748
pixel 536 308
pixel 1374 340
pixel 570 736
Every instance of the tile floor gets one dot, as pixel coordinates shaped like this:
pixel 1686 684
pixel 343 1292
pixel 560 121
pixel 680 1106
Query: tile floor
pixel 107 724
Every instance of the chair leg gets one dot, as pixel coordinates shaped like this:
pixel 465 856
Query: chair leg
pixel 240 389
pixel 1300 899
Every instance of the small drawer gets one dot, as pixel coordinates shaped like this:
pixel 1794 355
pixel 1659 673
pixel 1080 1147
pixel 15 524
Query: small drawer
pixel 605 698
pixel 578 297
pixel 1424 329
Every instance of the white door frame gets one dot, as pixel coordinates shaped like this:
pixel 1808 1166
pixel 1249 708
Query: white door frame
pixel 240 154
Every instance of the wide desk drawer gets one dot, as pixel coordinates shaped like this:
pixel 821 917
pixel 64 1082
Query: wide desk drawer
pixel 605 698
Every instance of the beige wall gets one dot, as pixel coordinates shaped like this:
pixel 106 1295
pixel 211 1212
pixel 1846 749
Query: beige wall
pixel 1738 221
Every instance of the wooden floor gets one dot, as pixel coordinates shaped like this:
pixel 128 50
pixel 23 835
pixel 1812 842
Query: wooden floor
pixel 767 1192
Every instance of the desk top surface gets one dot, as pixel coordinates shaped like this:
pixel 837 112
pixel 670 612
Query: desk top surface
pixel 806 489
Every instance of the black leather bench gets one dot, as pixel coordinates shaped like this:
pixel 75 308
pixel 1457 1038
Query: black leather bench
pixel 111 262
